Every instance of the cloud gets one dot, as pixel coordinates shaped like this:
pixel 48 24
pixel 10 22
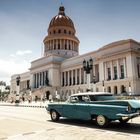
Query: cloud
pixel 10 67
pixel 24 52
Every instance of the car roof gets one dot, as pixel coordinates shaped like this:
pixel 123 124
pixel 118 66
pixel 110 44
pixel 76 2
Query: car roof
pixel 92 93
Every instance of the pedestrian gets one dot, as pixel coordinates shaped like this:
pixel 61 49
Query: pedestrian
pixel 50 98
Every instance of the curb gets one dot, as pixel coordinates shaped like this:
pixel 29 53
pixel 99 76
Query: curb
pixel 17 105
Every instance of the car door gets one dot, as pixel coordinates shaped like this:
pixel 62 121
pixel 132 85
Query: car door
pixel 69 109
pixel 83 108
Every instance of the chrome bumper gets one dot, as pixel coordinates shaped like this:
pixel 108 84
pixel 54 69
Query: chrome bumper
pixel 48 111
pixel 128 116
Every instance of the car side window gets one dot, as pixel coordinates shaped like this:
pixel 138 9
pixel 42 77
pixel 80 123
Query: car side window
pixel 74 99
pixel 86 98
pixel 83 98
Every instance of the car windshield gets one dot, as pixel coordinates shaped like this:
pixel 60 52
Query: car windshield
pixel 101 97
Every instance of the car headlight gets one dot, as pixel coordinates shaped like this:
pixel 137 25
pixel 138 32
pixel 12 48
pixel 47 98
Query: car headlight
pixel 128 109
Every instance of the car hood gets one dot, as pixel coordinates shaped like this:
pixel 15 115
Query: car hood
pixel 134 103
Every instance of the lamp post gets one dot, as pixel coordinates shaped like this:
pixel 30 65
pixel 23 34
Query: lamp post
pixel 94 89
pixel 87 66
pixel 18 88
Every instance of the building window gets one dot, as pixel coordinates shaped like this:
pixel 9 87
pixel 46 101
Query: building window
pixel 59 31
pixel 115 73
pixel 109 89
pixel 69 46
pixel 69 32
pixel 54 31
pixel 58 46
pixel 109 73
pixel 65 46
pixel 122 72
pixel 73 77
pixel 63 79
pixel 28 84
pixel 65 31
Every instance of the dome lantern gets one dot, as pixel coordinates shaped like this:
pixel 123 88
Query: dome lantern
pixel 61 10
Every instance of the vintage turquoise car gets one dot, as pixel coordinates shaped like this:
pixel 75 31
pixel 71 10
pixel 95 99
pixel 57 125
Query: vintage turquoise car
pixel 100 106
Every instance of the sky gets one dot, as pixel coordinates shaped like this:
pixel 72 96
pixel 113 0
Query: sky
pixel 24 24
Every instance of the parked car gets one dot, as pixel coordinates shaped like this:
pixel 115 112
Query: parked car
pixel 100 106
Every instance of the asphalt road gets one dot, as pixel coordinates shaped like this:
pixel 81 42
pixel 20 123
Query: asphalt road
pixel 25 123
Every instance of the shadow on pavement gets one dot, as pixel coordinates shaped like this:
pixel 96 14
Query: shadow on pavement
pixel 131 128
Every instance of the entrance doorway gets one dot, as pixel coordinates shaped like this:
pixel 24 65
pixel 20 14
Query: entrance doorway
pixel 115 90
pixel 47 94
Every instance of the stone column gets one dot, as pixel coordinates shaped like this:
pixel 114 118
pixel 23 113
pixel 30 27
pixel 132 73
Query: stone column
pixel 60 44
pixel 64 44
pixel 61 77
pixel 75 76
pixel 64 78
pixel 34 79
pixel 124 62
pixel 53 44
pixel 71 77
pixel 56 44
pixel 68 78
pixel 80 76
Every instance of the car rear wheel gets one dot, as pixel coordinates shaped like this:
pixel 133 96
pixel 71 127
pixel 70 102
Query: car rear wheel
pixel 54 115
pixel 102 121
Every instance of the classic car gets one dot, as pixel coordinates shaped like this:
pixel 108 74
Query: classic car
pixel 102 107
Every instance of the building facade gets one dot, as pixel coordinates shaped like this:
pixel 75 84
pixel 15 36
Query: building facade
pixel 115 67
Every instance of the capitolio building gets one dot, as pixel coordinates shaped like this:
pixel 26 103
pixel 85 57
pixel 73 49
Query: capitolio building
pixel 113 68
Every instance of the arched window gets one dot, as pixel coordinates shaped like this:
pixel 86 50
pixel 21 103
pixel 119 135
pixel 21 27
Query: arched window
pixel 65 31
pixel 69 32
pixel 54 32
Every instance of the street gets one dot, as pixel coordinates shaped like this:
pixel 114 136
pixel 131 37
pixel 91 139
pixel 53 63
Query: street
pixel 28 123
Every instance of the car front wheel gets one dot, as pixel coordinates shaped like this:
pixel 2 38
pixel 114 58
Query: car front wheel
pixel 54 115
pixel 102 121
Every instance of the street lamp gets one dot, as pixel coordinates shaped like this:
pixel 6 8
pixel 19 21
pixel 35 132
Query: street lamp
pixel 87 66
pixel 18 84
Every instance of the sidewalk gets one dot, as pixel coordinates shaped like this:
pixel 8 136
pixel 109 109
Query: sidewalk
pixel 27 104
